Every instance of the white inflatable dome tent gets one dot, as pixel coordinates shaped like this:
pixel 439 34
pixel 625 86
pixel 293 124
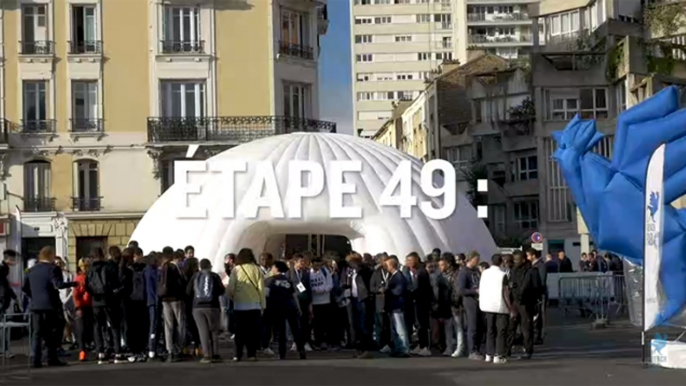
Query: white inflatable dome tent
pixel 379 230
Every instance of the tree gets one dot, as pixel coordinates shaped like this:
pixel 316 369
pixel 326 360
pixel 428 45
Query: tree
pixel 473 173
pixel 665 18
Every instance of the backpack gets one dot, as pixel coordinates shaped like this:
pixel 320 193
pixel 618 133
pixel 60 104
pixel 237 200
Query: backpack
pixel 97 280
pixel 204 287
pixel 138 286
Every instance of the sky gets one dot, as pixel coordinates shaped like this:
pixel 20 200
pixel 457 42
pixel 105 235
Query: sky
pixel 335 79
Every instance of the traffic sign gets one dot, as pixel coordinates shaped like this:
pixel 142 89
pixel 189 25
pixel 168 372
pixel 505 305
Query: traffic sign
pixel 537 246
pixel 536 238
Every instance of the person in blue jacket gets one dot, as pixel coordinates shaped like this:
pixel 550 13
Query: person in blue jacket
pixel 150 273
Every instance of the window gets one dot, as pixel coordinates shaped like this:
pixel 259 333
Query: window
pixel 181 30
pixel 296 100
pixel 403 1
pixel 85 245
pixel 84 116
pixel 477 111
pixel 365 96
pixel 37 187
pixel 385 95
pixel 182 99
pixel 526 168
pixel 363 2
pixel 84 30
pixel 167 174
pixel 361 39
pixel 526 214
pixel 564 108
pixel 459 156
pixel 447 42
pixel 364 77
pixel 405 95
pixel 423 18
pixel 87 198
pixel 424 56
pixel 36 107
pixel 383 77
pixel 35 30
pixel 383 2
pixel 621 96
pixel 444 56
pixel 294 28
pixel 593 103
pixel 403 38
pixel 405 76
pixel 365 58
pixel 505 9
pixel 382 20
pixel 363 20
pixel 565 23
pixel 499 218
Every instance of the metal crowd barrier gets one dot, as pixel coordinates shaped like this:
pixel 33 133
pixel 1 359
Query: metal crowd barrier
pixel 9 323
pixel 595 297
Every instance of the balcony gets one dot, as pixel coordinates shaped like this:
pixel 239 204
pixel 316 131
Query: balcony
pixel 38 126
pixel 296 50
pixel 322 20
pixel 38 47
pixel 82 204
pixel 497 18
pixel 182 47
pixel 445 25
pixel 230 129
pixel 39 204
pixel 499 40
pixel 86 126
pixel 92 47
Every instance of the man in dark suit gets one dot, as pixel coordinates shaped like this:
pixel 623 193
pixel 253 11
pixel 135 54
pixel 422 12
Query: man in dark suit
pixel 395 296
pixel 300 276
pixel 539 267
pixel 377 286
pixel 420 299
pixel 360 300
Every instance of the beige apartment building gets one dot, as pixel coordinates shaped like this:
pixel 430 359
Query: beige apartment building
pixel 99 97
pixel 397 45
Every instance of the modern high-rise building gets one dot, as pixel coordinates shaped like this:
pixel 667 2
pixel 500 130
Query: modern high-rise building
pixel 397 44
pixel 100 97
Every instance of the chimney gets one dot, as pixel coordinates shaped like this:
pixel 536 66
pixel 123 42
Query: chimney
pixel 449 65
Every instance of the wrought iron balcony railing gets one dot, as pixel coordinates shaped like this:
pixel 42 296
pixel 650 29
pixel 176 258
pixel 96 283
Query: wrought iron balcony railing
pixel 90 204
pixel 37 47
pixel 85 47
pixel 230 129
pixel 38 126
pixel 86 125
pixel 296 50
pixel 182 47
pixel 39 204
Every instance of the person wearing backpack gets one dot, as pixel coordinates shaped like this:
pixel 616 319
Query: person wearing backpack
pixel 171 289
pixel 205 288
pixel 137 308
pixel 103 285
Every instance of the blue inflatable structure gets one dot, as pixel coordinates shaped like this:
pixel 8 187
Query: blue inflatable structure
pixel 610 194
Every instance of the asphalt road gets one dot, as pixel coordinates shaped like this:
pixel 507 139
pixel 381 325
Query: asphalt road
pixel 573 355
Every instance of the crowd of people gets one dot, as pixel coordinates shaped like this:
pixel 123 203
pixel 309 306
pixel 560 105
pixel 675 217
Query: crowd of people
pixel 124 306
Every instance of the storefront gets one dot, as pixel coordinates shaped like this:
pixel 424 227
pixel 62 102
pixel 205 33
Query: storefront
pixel 34 231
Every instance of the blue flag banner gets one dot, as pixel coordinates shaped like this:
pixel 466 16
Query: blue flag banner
pixel 611 194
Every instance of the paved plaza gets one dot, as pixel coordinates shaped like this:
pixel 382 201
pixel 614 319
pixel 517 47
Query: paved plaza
pixel 573 355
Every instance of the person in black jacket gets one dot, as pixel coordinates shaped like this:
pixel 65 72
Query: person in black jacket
pixel 539 266
pixel 377 285
pixel 525 292
pixel 138 323
pixel 104 286
pixel 171 288
pixel 205 288
pixel 395 294
pixel 282 300
pixel 420 299
pixel 9 259
pixel 360 299
pixel 468 284
pixel 42 285
pixel 300 277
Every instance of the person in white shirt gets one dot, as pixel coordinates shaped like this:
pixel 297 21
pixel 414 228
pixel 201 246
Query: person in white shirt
pixel 494 301
pixel 321 284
